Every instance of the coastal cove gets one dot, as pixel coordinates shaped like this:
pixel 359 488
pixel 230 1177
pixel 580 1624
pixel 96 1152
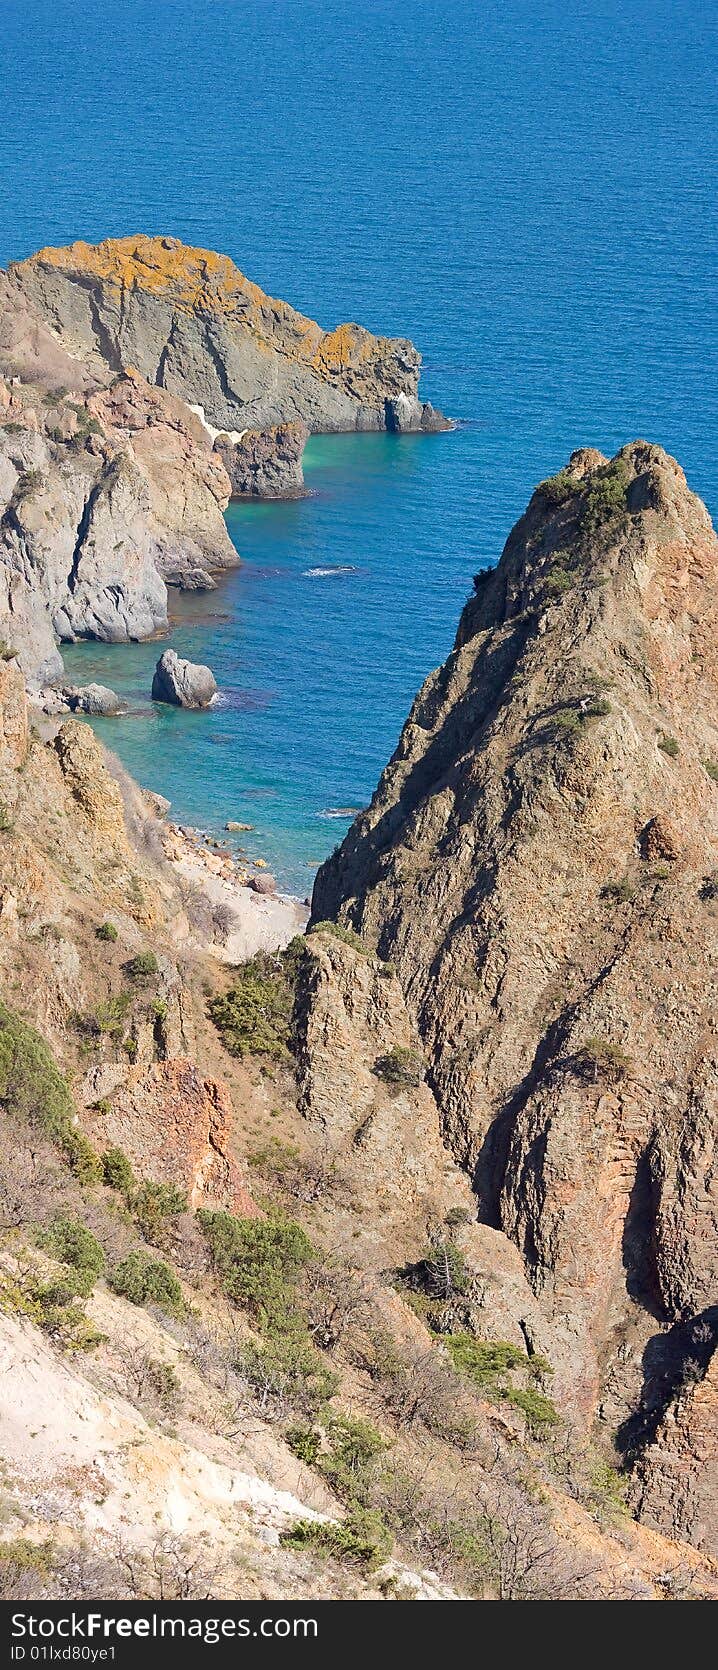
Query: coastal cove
pixel 554 307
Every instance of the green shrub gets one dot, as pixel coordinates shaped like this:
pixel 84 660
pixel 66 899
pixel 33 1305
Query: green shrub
pixel 556 489
pixel 568 720
pixel 69 1241
pixel 258 1261
pixel 711 767
pixel 53 1307
pixel 33 1091
pixel 254 1016
pixel 147 1281
pixel 117 1171
pixel 597 1059
pixel 6 822
pixel 606 496
pixel 305 1443
pixel 154 1203
pixel 541 1414
pixel 559 580
pixel 107 931
pixel 110 1017
pixel 443 1270
pixel 483 1360
pixel 668 745
pixel 288 1368
pixel 142 967
pixel 361 1540
pixel 620 892
pixel 401 1067
pixel 346 935
pixel 348 1466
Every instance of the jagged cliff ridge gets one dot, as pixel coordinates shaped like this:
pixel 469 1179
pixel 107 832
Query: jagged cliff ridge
pixel 190 321
pixel 539 861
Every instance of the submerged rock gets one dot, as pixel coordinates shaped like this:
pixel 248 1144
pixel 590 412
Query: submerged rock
pixel 182 683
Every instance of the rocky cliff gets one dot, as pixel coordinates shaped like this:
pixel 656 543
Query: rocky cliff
pixel 539 863
pixel 104 498
pixel 188 320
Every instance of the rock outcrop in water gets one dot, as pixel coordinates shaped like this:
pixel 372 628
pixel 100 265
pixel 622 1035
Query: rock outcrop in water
pixel 182 683
pixel 265 463
pixel 188 320
pixel 540 864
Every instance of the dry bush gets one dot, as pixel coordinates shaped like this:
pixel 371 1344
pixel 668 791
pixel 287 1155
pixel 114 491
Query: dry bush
pixel 418 1387
pixel 336 1298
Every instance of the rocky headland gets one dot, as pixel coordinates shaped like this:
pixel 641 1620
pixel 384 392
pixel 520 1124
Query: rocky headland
pixel 539 863
pixel 142 385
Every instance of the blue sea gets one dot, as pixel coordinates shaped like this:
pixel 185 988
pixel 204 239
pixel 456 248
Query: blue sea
pixel 525 188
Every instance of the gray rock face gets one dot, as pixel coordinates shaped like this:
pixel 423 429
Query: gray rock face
pixel 265 463
pixel 94 699
pixel 77 547
pixel 189 320
pixel 182 683
pixel 405 414
pixel 104 500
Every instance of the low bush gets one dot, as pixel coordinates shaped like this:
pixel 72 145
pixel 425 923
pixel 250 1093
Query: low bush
pixel 107 931
pixel 540 1413
pixel 254 1016
pixel 346 935
pixel 153 1204
pixel 711 768
pixel 619 892
pixel 143 967
pixel 401 1067
pixel 286 1373
pixel 52 1306
pixel 599 1059
pixel 118 1173
pixel 362 1539
pixel 33 1091
pixel 556 489
pixel 258 1261
pixel 669 746
pixel 606 497
pixel 69 1241
pixel 147 1281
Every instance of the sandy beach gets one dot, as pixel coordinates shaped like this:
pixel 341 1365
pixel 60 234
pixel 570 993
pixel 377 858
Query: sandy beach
pixel 255 921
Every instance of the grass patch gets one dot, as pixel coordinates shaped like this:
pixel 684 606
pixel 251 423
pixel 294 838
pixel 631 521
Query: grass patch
pixel 346 935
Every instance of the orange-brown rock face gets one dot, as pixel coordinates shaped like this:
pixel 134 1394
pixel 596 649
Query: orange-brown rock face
pixel 539 861
pixel 174 1125
pixel 678 1472
pixel 189 320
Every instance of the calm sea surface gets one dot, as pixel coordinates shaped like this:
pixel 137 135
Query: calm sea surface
pixel 525 188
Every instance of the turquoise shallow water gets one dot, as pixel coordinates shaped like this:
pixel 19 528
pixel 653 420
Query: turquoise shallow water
pixel 526 189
